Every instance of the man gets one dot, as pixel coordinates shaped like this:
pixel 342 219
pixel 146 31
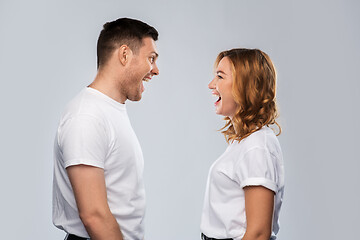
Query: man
pixel 98 190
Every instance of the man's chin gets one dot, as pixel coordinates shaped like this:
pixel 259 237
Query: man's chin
pixel 135 98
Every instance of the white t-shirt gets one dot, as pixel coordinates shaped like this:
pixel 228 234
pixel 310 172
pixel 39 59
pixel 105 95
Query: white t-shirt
pixel 95 130
pixel 254 161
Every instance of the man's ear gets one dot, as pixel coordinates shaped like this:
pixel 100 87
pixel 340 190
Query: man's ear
pixel 124 54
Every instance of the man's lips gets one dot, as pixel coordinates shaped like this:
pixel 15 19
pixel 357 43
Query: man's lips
pixel 142 88
pixel 146 79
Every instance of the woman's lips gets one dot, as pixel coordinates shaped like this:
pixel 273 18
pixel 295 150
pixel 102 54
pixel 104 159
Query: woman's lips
pixel 218 101
pixel 216 94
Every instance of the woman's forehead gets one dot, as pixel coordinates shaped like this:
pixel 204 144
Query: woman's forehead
pixel 224 66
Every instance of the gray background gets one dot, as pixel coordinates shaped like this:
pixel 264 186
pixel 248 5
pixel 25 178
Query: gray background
pixel 47 55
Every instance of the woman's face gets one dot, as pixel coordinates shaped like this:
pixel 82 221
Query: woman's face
pixel 221 87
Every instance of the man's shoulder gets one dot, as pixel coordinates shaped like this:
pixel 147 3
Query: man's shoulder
pixel 84 103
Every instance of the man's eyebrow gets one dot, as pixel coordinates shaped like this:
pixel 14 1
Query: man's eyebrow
pixel 156 54
pixel 220 72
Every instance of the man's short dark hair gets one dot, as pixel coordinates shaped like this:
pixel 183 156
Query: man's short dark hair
pixel 123 31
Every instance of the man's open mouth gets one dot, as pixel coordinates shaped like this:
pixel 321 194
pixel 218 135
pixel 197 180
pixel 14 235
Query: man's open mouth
pixel 146 79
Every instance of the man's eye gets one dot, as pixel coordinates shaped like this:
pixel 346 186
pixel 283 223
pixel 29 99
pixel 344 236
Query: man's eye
pixel 152 59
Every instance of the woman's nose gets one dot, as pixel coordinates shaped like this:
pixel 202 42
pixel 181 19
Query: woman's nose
pixel 212 84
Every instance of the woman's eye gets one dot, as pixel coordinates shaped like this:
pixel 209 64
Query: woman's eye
pixel 220 77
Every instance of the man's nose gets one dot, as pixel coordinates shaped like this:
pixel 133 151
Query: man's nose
pixel 155 70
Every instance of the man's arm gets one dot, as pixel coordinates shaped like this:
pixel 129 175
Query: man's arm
pixel 89 188
pixel 259 205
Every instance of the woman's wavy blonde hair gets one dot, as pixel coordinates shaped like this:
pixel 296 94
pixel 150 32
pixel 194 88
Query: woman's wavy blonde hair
pixel 254 89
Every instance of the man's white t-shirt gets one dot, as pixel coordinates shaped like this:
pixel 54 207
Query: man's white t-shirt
pixel 254 161
pixel 95 130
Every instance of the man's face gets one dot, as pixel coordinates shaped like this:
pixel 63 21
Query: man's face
pixel 142 67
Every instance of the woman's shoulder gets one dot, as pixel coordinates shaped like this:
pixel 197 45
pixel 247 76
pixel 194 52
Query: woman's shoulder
pixel 263 138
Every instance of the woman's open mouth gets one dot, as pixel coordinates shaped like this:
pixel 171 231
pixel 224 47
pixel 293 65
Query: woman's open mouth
pixel 219 99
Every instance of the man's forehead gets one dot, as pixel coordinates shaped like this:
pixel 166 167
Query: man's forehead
pixel 149 45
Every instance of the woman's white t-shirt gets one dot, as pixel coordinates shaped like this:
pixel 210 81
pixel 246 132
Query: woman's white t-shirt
pixel 254 161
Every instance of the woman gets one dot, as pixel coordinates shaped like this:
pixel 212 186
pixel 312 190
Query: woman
pixel 246 183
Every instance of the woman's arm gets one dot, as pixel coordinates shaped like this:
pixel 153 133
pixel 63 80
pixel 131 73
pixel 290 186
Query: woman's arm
pixel 259 207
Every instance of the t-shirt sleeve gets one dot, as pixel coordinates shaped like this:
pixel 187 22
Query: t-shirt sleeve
pixel 257 168
pixel 83 140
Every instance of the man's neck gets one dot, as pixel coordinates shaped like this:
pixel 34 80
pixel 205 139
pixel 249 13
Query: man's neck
pixel 107 85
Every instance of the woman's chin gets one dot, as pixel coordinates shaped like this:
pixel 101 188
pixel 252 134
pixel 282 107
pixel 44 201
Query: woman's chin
pixel 219 112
